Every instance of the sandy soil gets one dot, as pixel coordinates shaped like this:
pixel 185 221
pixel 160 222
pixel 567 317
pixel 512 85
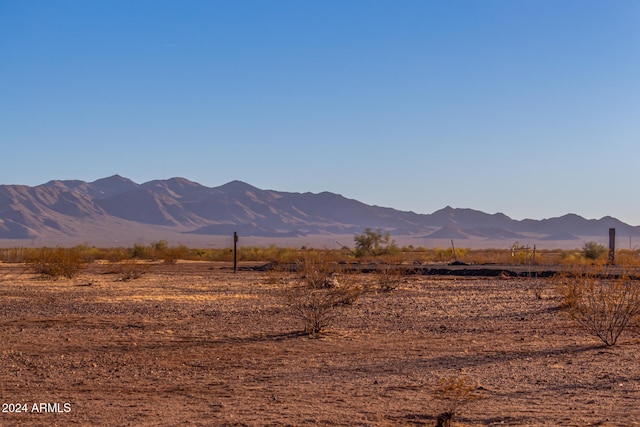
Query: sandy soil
pixel 195 344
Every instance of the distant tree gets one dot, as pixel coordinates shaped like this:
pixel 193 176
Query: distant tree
pixel 592 250
pixel 373 243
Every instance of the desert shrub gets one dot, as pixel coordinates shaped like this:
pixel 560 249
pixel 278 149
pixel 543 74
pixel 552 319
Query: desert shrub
pixel 273 253
pixel 547 256
pixel 89 253
pixel 593 251
pixel 538 288
pixel 318 292
pixel 317 307
pixel 171 255
pixel 57 262
pixel 484 256
pixel 628 257
pixel 139 251
pixel 316 271
pixel 455 393
pixel 131 269
pixel 388 277
pixel 571 258
pixel 159 246
pixel 449 254
pixel 410 255
pixel 17 254
pixel 115 254
pixel 161 250
pixel 601 304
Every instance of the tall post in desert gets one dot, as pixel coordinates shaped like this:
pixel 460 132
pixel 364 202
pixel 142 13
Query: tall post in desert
pixel 235 250
pixel 612 245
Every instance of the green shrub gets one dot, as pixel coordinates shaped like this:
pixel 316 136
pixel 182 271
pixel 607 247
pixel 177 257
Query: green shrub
pixel 593 251
pixel 139 251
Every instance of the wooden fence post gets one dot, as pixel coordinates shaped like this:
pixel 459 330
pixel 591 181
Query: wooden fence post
pixel 235 250
pixel 612 245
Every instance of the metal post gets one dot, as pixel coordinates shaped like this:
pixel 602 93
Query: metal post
pixel 612 245
pixel 235 247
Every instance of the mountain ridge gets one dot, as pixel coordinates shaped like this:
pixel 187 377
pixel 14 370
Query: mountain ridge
pixel 117 206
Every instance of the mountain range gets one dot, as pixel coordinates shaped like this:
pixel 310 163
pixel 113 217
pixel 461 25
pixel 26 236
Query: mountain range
pixel 116 210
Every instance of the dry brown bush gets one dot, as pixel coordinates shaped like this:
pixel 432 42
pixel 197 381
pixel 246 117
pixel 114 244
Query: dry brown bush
pixel 57 262
pixel 604 305
pixel 538 288
pixel 454 392
pixel 317 292
pixel 131 269
pixel 627 257
pixel 388 277
pixel 316 271
pixel 317 307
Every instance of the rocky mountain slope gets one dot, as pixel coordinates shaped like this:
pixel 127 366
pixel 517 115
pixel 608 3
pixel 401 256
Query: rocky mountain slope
pixel 117 206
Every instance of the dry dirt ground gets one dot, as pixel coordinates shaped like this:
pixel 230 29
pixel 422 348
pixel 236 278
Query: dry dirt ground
pixel 196 344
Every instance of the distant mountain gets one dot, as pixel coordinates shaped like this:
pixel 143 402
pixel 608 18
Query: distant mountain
pixel 118 209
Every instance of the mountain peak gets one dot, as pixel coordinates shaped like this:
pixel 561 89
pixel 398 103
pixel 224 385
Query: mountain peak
pixel 112 185
pixel 175 187
pixel 113 180
pixel 236 186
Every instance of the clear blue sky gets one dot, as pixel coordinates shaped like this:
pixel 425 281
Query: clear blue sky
pixel 530 108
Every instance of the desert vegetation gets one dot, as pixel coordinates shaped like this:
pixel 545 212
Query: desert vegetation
pixel 455 393
pixel 374 243
pixel 303 336
pixel 603 303
pixel 593 251
pixel 131 269
pixel 316 291
pixel 389 277
pixel 57 262
pixel 372 246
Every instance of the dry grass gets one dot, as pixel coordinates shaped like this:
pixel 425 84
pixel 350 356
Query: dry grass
pixel 511 254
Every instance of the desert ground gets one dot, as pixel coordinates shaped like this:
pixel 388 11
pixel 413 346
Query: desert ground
pixel 195 344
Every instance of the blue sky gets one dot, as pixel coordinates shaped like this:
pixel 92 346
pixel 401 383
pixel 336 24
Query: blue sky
pixel 530 108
